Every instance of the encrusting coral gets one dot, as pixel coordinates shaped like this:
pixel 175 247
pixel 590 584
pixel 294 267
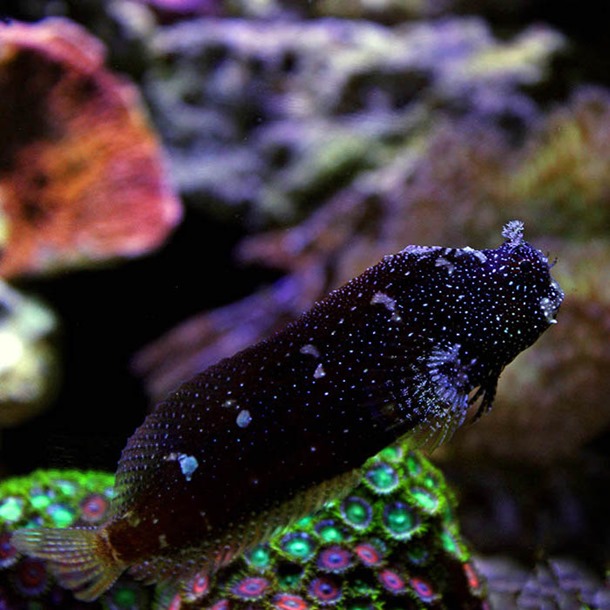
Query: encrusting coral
pixel 56 498
pixel 391 542
pixel 82 178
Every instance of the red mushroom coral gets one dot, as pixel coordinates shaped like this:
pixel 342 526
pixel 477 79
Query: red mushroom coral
pixel 81 171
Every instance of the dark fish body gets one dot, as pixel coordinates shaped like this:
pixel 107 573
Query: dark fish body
pixel 261 438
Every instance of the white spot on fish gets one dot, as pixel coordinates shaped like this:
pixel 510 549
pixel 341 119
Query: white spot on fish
pixel 420 250
pixel 230 402
pixel 243 419
pixel 162 541
pixel 319 372
pixel 476 253
pixel 388 302
pixel 443 262
pixel 311 350
pixel 188 464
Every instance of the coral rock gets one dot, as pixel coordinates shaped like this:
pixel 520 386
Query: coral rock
pixel 273 116
pixel 28 362
pixel 81 171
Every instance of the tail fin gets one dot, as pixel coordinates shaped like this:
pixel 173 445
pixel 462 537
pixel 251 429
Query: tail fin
pixel 81 559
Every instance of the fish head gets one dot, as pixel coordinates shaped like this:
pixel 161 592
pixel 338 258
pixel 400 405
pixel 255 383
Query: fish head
pixel 523 298
pixel 513 300
pixel 488 305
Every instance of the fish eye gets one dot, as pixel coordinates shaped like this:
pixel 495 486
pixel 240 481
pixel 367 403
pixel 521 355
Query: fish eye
pixel 525 266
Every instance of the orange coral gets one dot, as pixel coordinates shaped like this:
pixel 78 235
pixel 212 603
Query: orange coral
pixel 81 171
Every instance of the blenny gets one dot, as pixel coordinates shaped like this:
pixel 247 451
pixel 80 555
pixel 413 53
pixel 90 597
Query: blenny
pixel 260 439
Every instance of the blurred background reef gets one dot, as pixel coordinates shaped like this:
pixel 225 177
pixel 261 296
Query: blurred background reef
pixel 178 179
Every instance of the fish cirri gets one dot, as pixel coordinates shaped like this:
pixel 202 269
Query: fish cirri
pixel 263 437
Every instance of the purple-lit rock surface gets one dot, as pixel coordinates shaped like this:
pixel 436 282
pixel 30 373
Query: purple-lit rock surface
pixel 269 118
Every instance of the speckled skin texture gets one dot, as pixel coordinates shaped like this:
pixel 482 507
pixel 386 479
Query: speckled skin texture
pixel 268 435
